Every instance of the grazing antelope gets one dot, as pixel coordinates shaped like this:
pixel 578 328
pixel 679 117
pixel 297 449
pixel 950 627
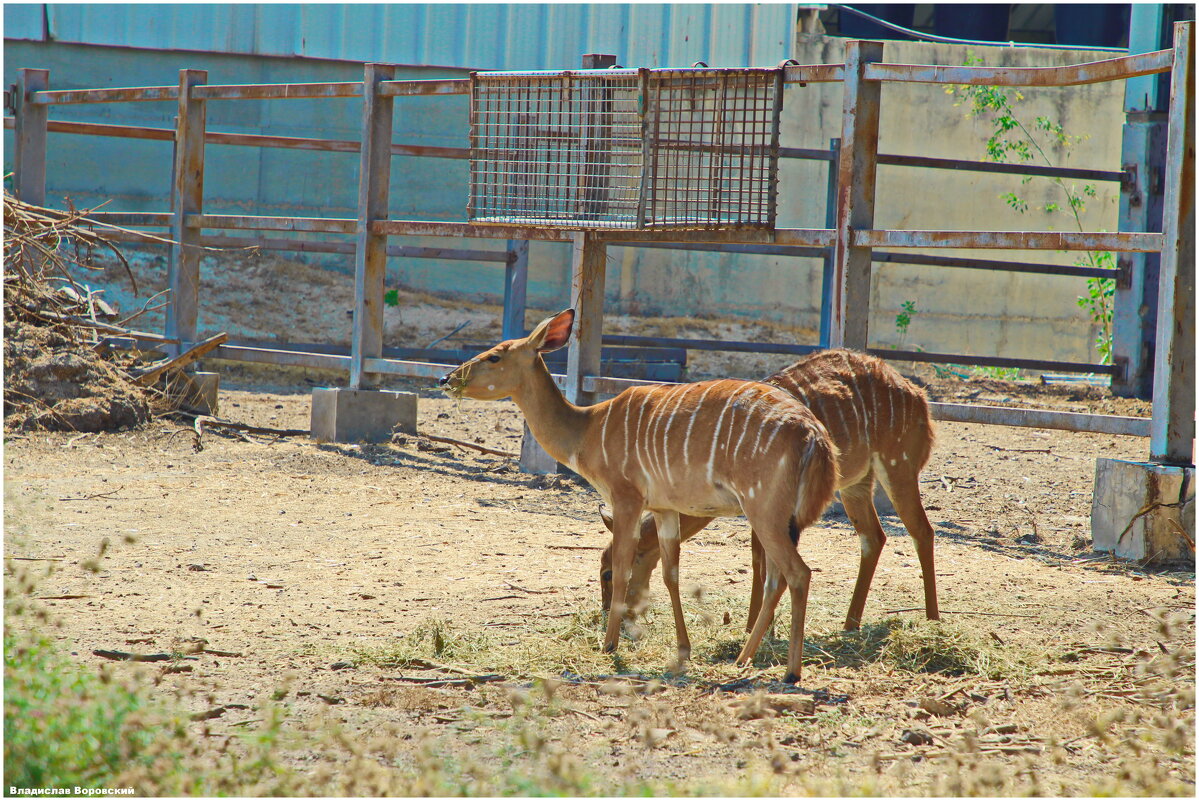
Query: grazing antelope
pixel 712 449
pixel 880 423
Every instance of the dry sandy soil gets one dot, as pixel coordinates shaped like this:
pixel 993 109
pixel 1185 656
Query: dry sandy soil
pixel 321 567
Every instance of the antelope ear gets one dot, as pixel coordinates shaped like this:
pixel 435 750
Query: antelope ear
pixel 606 515
pixel 553 332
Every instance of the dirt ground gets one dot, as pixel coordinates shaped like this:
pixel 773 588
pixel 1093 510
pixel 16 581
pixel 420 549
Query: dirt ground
pixel 306 564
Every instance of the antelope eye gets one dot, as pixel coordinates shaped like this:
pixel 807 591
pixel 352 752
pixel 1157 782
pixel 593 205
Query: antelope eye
pixel 493 358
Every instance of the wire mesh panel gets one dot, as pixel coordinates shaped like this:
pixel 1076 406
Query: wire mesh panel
pixel 693 148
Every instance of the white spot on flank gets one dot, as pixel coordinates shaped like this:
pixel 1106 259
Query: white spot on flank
pixel 905 457
pixel 491 387
pixel 893 462
pixel 751 492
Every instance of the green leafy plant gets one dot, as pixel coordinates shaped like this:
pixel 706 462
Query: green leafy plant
pixel 1013 140
pixel 904 318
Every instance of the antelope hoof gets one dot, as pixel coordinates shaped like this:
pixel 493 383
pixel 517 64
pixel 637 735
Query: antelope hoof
pixel 609 647
pixel 790 678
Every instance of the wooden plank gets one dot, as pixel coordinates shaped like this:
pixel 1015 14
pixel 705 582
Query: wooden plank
pixel 1111 69
pixel 1040 418
pixel 587 268
pixel 185 358
pixel 451 86
pixel 856 175
pixel 110 95
pixel 1172 437
pixel 183 266
pixel 29 150
pixel 370 255
pixel 247 222
pixel 278 91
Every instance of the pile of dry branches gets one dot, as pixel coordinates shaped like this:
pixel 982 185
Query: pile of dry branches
pixel 59 373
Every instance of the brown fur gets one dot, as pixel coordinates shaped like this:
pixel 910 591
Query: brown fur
pixel 875 417
pixel 716 448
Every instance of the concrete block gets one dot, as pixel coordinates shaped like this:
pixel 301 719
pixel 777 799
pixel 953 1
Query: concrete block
pixel 207 386
pixel 534 459
pixel 197 392
pixel 354 415
pixel 1144 511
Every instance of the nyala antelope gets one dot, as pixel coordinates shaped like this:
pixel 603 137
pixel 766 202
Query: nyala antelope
pixel 880 423
pixel 712 449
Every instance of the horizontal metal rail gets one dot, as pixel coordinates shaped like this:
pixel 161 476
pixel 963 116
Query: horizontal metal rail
pixel 1009 240
pixel 709 344
pixel 962 413
pixel 732 346
pixel 990 361
pixel 1076 173
pixel 996 265
pixel 1112 69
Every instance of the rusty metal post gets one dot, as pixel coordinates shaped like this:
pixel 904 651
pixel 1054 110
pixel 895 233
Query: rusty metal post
pixel 588 261
pixel 29 165
pixel 516 282
pixel 1172 431
pixel 370 249
pixel 856 175
pixel 183 269
pixel 1143 151
pixel 1135 303
pixel 828 277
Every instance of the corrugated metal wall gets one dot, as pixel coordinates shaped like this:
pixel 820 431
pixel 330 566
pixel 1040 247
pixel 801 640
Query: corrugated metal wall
pixel 141 45
pixel 492 36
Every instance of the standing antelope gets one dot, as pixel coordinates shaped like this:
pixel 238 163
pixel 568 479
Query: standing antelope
pixel 712 449
pixel 880 424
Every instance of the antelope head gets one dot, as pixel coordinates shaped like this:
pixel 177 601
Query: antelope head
pixel 501 371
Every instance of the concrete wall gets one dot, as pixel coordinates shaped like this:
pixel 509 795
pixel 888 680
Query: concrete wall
pixel 964 311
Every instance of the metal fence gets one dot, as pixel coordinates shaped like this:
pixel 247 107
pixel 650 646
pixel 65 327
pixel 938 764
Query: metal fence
pixel 849 242
pixel 614 148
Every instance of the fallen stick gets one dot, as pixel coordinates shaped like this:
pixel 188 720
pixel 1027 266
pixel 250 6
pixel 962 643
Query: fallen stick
pixel 36 558
pixel 471 445
pixel 109 328
pixel 93 497
pixel 176 362
pixel 125 656
pixel 202 420
pixel 1019 450
pixel 532 592
pixel 949 611
pixel 59 597
pixel 469 681
pixel 587 548
pixel 209 714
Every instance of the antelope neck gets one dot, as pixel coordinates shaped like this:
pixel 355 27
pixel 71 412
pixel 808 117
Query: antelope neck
pixel 557 424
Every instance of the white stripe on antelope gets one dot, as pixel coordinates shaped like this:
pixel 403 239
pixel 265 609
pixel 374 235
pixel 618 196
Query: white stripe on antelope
pixel 673 464
pixel 880 423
